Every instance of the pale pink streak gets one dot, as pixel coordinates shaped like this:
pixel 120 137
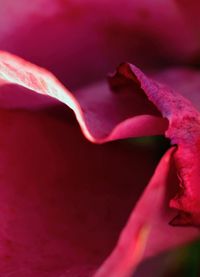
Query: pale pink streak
pixel 15 70
pixel 130 86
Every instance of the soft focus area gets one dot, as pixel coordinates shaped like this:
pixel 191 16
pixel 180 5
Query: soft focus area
pixel 64 211
pixel 81 41
pixel 64 200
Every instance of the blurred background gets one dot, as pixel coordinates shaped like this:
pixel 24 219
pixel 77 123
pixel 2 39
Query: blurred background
pixel 183 261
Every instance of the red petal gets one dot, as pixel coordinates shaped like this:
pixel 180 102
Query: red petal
pixel 128 80
pixel 185 81
pixel 111 115
pixel 174 107
pixel 183 130
pixel 147 227
pixel 63 200
pixel 101 114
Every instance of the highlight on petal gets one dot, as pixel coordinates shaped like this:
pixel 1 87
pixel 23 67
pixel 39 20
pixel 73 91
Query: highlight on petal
pixel 183 131
pixel 102 114
pixel 147 227
pixel 132 105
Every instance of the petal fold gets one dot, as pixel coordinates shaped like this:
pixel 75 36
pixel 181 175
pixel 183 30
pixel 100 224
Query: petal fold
pixel 183 131
pixel 102 115
pixel 133 105
pixel 147 232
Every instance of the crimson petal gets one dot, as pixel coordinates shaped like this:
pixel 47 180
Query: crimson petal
pixel 179 112
pixel 147 232
pixel 63 200
pixel 183 131
pixel 121 115
pixel 128 79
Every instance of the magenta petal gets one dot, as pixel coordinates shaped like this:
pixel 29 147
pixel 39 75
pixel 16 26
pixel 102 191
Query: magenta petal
pixel 185 81
pixel 131 106
pixel 147 231
pixel 102 114
pixel 129 84
pixel 111 115
pixel 63 200
pixel 183 130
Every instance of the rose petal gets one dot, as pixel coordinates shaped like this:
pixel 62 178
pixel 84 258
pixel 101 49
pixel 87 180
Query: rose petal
pixel 18 97
pixel 183 130
pixel 121 115
pixel 128 79
pixel 57 33
pixel 185 81
pixel 174 107
pixel 63 200
pixel 147 226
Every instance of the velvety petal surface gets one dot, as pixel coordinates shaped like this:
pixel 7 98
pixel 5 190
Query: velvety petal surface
pixel 185 81
pixel 128 89
pixel 81 35
pixel 63 200
pixel 183 130
pixel 62 214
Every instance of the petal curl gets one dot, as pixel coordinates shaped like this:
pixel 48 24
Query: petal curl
pixel 183 130
pixel 128 78
pixel 174 107
pixel 130 85
pixel 102 115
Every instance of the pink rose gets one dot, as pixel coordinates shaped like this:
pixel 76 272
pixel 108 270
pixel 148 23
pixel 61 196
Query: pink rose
pixel 66 203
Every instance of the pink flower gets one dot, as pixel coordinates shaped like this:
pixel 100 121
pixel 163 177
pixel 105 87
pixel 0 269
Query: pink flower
pixel 66 203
